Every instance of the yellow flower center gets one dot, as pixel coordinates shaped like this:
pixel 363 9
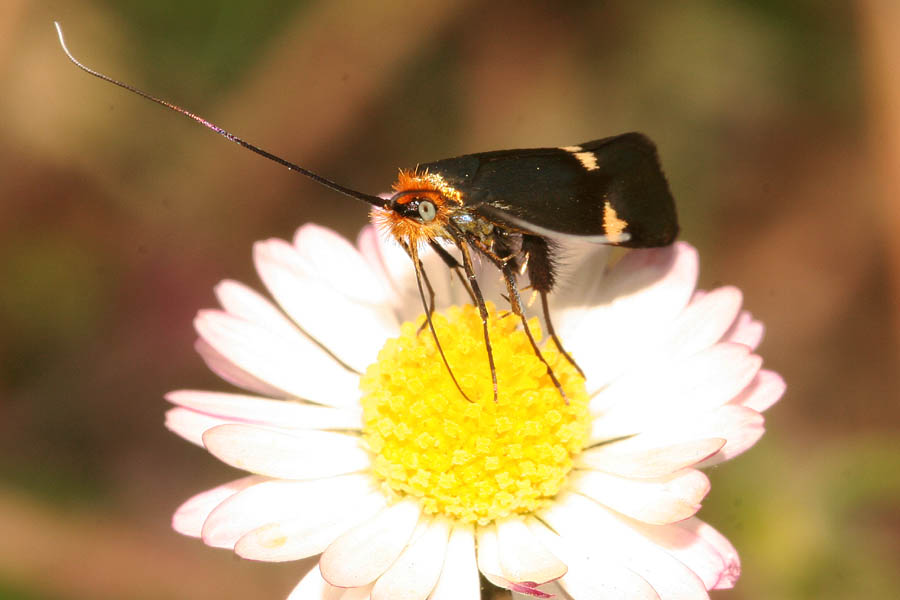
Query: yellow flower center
pixel 479 460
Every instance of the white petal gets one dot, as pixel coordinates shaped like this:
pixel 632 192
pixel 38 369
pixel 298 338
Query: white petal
pixel 594 574
pixel 660 500
pixel 703 322
pixel 279 500
pixel 581 277
pixel 279 413
pixel 741 426
pixel 693 384
pixel 312 531
pixel 354 332
pixel 459 575
pixel 190 425
pixel 297 455
pixel 286 360
pixel 416 571
pixel 522 557
pixel 584 522
pixel 489 564
pixel 314 587
pixel 190 516
pixel 641 295
pixel 720 543
pixel 646 456
pixel 239 300
pixel 745 330
pixel 332 259
pixel 365 552
pixel 764 391
pixel 232 373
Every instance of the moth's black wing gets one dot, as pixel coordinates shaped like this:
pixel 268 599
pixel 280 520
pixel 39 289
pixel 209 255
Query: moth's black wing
pixel 570 191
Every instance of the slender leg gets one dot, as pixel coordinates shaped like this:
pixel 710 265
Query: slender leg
pixel 420 275
pixel 453 265
pixel 482 309
pixel 515 303
pixel 552 333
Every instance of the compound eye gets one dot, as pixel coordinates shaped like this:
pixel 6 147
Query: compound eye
pixel 427 211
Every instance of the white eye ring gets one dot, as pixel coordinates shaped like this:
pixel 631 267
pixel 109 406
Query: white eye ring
pixel 427 211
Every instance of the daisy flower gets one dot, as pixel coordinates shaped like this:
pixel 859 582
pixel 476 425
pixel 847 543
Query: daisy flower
pixel 360 449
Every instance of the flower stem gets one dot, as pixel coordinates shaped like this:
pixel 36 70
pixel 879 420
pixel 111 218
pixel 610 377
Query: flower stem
pixel 489 591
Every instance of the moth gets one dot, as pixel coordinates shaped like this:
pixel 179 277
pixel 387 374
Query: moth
pixel 511 207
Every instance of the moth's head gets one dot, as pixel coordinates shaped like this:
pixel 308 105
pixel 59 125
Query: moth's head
pixel 419 208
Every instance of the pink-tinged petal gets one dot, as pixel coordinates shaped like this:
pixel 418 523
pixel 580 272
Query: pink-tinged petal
pixel 391 260
pixel 317 307
pixel 232 373
pixel 240 301
pixel 329 257
pixel 415 572
pixel 489 564
pixel 311 532
pixel 314 587
pixel 459 574
pixel 370 249
pixel 741 426
pixel 386 257
pixel 694 384
pixel 364 553
pixel 764 391
pixel 639 298
pixel 522 557
pixel 285 414
pixel 689 548
pixel 659 501
pixel 732 563
pixel 190 516
pixel 642 456
pixel 584 522
pixel 702 323
pixel 593 573
pixel 745 330
pixel 275 358
pixel 295 455
pixel 279 500
pixel 190 425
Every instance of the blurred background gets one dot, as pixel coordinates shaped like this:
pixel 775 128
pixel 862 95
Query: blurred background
pixel 778 123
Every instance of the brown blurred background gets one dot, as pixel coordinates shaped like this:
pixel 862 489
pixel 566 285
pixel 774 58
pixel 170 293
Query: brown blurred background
pixel 778 123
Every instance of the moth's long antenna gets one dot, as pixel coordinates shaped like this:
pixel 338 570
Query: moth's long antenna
pixel 373 200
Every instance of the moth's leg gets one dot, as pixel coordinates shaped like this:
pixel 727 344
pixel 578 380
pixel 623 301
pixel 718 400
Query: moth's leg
pixel 479 301
pixel 542 276
pixel 420 276
pixel 515 304
pixel 552 332
pixel 453 265
pixel 420 272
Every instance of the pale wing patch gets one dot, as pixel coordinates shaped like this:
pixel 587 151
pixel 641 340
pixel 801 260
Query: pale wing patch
pixel 588 160
pixel 613 225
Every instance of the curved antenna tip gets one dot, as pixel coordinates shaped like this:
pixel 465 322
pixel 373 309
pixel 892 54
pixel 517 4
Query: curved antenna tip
pixel 62 42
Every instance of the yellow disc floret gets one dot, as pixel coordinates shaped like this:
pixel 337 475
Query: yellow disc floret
pixel 477 459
